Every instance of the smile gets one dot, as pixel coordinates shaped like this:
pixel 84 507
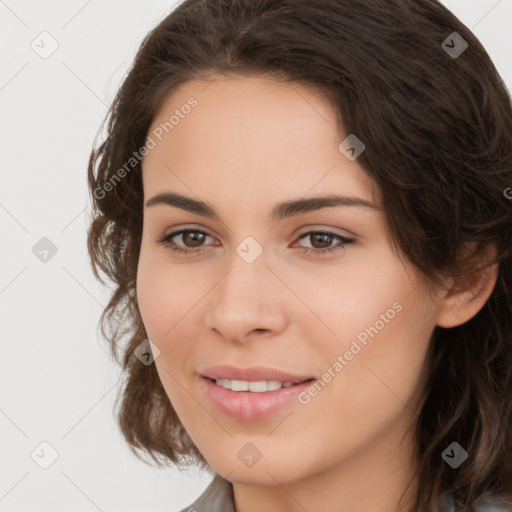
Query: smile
pixel 260 386
pixel 243 403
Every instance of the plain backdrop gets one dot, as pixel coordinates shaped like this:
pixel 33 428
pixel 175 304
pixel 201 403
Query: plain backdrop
pixel 57 384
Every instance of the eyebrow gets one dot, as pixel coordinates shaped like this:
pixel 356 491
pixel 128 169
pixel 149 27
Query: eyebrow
pixel 280 211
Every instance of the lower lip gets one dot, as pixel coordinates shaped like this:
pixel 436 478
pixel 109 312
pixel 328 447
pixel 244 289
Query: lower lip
pixel 246 405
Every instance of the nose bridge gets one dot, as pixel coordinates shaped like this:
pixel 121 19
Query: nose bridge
pixel 245 299
pixel 246 284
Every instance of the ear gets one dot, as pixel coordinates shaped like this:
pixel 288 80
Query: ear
pixel 468 293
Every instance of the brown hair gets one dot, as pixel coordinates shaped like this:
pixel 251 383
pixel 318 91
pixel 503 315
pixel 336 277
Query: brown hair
pixel 438 135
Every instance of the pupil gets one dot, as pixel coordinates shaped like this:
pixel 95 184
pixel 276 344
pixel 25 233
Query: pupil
pixel 326 239
pixel 195 237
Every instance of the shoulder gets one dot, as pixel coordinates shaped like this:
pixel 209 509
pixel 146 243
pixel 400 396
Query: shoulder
pixel 486 503
pixel 217 497
pixel 492 503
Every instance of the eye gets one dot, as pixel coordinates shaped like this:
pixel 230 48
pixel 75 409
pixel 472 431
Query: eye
pixel 193 241
pixel 193 237
pixel 324 239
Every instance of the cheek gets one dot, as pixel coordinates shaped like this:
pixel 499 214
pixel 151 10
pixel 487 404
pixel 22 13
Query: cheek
pixel 168 295
pixel 165 295
pixel 155 311
pixel 382 322
pixel 383 361
pixel 352 296
pixel 164 305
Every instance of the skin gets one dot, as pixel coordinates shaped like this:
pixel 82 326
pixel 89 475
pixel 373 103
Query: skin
pixel 249 144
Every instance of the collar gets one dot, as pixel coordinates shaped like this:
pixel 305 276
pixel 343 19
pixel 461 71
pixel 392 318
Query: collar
pixel 217 497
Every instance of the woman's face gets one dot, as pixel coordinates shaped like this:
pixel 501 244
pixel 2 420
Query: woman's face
pixel 256 290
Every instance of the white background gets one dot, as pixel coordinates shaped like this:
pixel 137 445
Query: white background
pixel 57 383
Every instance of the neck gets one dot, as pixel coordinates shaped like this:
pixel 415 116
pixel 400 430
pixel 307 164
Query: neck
pixel 379 479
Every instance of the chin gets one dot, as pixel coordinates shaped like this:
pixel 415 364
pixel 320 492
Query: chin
pixel 262 473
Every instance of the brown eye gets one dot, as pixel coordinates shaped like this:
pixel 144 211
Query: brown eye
pixel 191 240
pixel 321 241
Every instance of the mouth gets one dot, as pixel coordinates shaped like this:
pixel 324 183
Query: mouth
pixel 254 374
pixel 260 386
pixel 252 400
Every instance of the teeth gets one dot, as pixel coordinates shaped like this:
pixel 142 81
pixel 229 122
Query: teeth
pixel 256 387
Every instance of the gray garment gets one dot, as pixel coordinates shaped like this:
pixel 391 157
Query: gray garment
pixel 486 503
pixel 218 497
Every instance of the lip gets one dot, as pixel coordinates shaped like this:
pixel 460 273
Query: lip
pixel 252 374
pixel 249 406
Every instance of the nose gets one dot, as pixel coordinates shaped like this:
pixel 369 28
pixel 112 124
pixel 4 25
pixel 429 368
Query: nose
pixel 248 302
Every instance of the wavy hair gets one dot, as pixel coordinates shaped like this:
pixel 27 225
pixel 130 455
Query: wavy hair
pixel 438 134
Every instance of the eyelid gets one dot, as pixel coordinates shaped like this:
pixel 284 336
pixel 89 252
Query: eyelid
pixel 165 238
pixel 187 227
pixel 303 230
pixel 344 241
pixel 319 227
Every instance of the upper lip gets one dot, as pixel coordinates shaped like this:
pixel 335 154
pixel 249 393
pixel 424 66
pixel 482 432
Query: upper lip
pixel 252 374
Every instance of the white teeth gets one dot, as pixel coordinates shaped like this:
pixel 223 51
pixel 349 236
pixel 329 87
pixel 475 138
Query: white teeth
pixel 260 386
pixel 239 385
pixel 272 385
pixel 256 387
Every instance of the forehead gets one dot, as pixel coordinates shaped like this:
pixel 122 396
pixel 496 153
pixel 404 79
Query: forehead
pixel 251 133
pixel 251 102
pixel 232 89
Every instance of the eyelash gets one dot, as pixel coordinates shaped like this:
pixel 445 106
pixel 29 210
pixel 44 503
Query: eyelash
pixel 166 241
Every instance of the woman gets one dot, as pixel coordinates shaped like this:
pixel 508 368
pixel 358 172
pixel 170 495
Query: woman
pixel 304 207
